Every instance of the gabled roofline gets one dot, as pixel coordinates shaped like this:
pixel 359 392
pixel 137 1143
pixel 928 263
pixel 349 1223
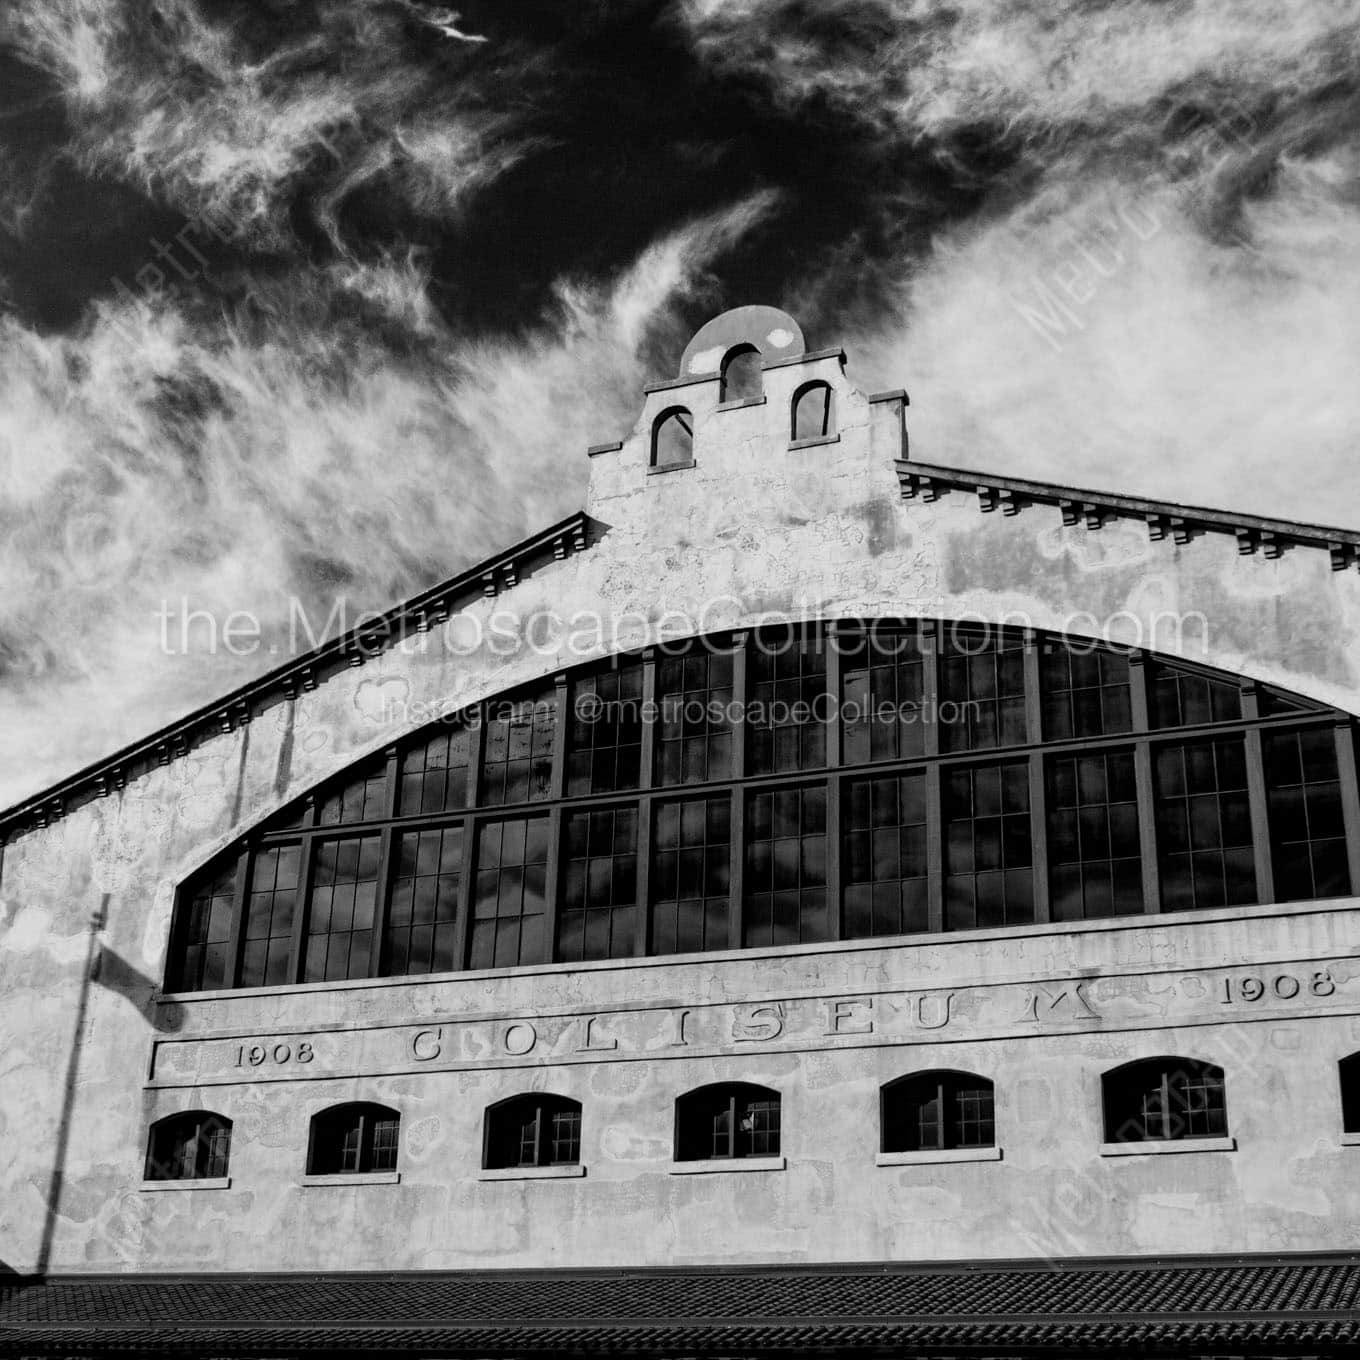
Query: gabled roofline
pixel 1164 519
pixel 351 648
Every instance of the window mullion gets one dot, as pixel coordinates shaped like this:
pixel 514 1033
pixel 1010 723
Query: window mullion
pixel 642 858
pixel 1344 732
pixel 1260 816
pixel 930 707
pixel 647 753
pixel 240 902
pixel 828 638
pixel 834 892
pixel 462 918
pixel 383 887
pixel 552 878
pixel 1038 818
pixel 557 783
pixel 301 906
pixel 1143 783
pixel 736 851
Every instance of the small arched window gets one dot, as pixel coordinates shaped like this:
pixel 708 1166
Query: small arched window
pixel 538 1129
pixel 742 378
pixel 728 1120
pixel 1349 1071
pixel 814 412
pixel 1164 1099
pixel 673 438
pixel 353 1138
pixel 930 1111
pixel 192 1146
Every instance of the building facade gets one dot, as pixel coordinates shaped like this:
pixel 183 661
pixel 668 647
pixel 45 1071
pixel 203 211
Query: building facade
pixel 807 858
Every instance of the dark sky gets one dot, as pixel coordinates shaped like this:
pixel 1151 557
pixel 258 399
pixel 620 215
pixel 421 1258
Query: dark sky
pixel 311 304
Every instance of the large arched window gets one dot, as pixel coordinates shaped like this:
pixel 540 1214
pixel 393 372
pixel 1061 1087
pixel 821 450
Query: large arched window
pixel 192 1146
pixel 538 1129
pixel 352 1138
pixel 1163 1100
pixel 673 438
pixel 937 1111
pixel 731 1119
pixel 796 785
pixel 813 412
pixel 742 376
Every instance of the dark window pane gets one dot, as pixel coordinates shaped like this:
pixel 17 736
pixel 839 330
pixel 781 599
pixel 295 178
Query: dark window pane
pixel 728 1120
pixel 533 1130
pixel 508 900
pixel 1307 827
pixel 1203 825
pixel 694 730
pixel 691 858
pixel 353 1138
pixel 423 909
pixel 270 903
pixel 785 880
pixel 1183 699
pixel 599 901
pixel 1093 842
pixel 605 731
pixel 1164 1098
pixel 195 1145
pixel 517 765
pixel 340 913
pixel 884 827
pixel 360 798
pixel 785 723
pixel 434 773
pixel 937 1110
pixel 982 688
pixel 987 865
pixel 881 711
pixel 1085 691
pixel 203 928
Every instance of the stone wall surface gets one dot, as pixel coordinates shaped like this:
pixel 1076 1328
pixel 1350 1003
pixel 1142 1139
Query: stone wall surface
pixel 93 1054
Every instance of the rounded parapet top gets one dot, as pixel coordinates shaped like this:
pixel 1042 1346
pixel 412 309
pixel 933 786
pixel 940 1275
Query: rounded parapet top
pixel 773 332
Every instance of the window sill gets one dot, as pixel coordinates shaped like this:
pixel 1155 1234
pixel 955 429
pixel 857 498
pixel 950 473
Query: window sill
pixel 202 1183
pixel 1350 1140
pixel 728 1164
pixel 934 1156
pixel 1163 1147
pixel 812 443
pixel 737 405
pixel 354 1178
pixel 532 1173
pixel 670 467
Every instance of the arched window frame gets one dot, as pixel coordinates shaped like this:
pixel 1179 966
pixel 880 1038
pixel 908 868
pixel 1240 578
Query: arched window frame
pixel 1043 722
pixel 683 418
pixel 828 411
pixel 356 1137
pixel 193 1145
pixel 728 1121
pixel 1166 1099
pixel 530 1130
pixel 964 1117
pixel 742 378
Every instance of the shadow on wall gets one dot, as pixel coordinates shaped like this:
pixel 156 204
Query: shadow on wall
pixel 112 971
